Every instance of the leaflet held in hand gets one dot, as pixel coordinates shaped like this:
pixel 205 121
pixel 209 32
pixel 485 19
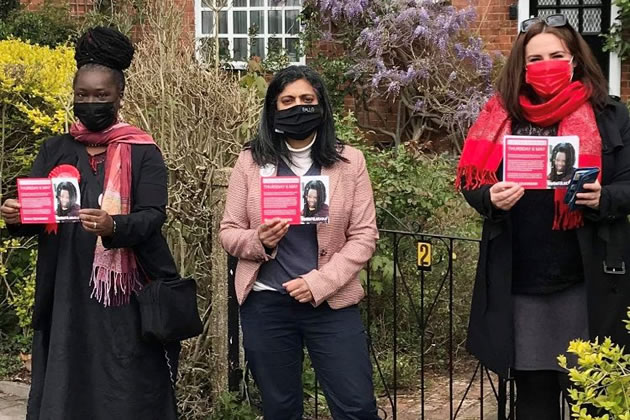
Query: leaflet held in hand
pixel 49 200
pixel 298 199
pixel 540 162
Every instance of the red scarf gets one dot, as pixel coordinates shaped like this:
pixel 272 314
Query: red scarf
pixel 483 148
pixel 555 109
pixel 114 271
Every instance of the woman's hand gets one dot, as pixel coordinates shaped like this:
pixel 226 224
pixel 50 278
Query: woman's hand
pixel 591 195
pixel 10 212
pixel 97 221
pixel 299 290
pixel 272 231
pixel 504 195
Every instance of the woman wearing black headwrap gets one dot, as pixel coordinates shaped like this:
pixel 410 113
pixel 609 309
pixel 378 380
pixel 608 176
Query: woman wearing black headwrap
pixel 89 361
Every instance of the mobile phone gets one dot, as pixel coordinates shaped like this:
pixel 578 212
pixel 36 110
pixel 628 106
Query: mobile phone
pixel 580 177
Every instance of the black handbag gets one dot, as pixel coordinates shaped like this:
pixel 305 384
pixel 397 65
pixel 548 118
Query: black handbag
pixel 168 310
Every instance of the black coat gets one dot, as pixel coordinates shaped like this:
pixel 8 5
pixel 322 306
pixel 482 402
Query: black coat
pixel 89 361
pixel 604 242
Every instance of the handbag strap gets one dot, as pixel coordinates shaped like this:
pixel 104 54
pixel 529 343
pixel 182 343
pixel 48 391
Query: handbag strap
pixel 146 276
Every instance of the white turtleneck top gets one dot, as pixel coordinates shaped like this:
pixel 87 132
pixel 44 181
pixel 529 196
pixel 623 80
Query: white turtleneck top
pixel 301 160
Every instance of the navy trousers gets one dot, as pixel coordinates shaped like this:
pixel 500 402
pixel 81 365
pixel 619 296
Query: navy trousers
pixel 276 328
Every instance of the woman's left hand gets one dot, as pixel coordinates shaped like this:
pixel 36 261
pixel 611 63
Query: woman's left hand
pixel 591 196
pixel 299 290
pixel 97 221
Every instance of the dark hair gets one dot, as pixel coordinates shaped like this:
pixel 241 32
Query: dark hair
pixel 318 186
pixel 104 49
pixel 268 146
pixel 67 186
pixel 511 81
pixel 569 152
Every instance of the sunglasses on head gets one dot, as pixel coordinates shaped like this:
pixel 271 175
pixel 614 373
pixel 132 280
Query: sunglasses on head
pixel 556 20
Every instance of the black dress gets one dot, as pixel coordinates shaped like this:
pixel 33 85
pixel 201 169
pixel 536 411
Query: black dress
pixel 89 361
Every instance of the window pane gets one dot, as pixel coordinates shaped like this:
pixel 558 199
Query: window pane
pixel 291 22
pixel 275 45
pixel 207 22
pixel 592 22
pixel 224 48
pixel 206 49
pixel 223 29
pixel 240 22
pixel 258 48
pixel 240 3
pixel 240 49
pixel 292 48
pixel 256 3
pixel 275 22
pixel 281 3
pixel 206 3
pixel 257 21
pixel 573 17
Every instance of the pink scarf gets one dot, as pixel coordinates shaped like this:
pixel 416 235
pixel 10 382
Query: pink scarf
pixel 114 271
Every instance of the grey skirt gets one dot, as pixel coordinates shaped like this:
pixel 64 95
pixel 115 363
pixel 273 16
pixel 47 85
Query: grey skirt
pixel 545 324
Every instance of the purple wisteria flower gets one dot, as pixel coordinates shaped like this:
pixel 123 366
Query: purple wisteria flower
pixel 338 10
pixel 421 51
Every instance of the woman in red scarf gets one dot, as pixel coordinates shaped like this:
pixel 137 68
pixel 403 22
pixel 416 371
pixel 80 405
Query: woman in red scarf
pixel 547 275
pixel 89 361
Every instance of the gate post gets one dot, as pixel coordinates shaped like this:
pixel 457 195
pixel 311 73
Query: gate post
pixel 218 330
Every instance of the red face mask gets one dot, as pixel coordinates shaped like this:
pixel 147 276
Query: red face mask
pixel 549 77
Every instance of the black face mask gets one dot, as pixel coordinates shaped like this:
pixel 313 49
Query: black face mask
pixel 298 122
pixel 95 116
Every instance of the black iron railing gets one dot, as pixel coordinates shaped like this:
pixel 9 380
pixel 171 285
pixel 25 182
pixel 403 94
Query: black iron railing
pixel 425 301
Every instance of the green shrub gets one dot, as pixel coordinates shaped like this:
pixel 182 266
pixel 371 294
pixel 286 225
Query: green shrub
pixel 601 379
pixel 24 286
pixel 229 406
pixel 51 25
pixel 10 349
pixel 413 189
pixel 617 39
pixel 414 192
pixel 7 6
pixel 35 87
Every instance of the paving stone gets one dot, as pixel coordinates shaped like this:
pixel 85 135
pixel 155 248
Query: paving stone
pixel 12 407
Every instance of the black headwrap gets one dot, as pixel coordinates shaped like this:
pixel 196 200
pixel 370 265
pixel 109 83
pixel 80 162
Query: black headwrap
pixel 105 46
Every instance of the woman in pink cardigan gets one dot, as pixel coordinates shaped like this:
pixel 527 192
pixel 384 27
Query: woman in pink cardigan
pixel 298 285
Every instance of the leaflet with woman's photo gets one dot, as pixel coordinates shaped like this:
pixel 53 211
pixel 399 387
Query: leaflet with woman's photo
pixel 49 200
pixel 315 199
pixel 540 162
pixel 300 200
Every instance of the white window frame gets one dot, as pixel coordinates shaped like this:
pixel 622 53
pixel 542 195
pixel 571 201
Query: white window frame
pixel 230 35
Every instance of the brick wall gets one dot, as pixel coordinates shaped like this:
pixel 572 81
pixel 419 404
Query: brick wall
pixel 32 4
pixel 77 7
pixel 625 80
pixel 493 23
pixel 80 7
pixel 29 5
pixel 382 114
pixel 188 6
